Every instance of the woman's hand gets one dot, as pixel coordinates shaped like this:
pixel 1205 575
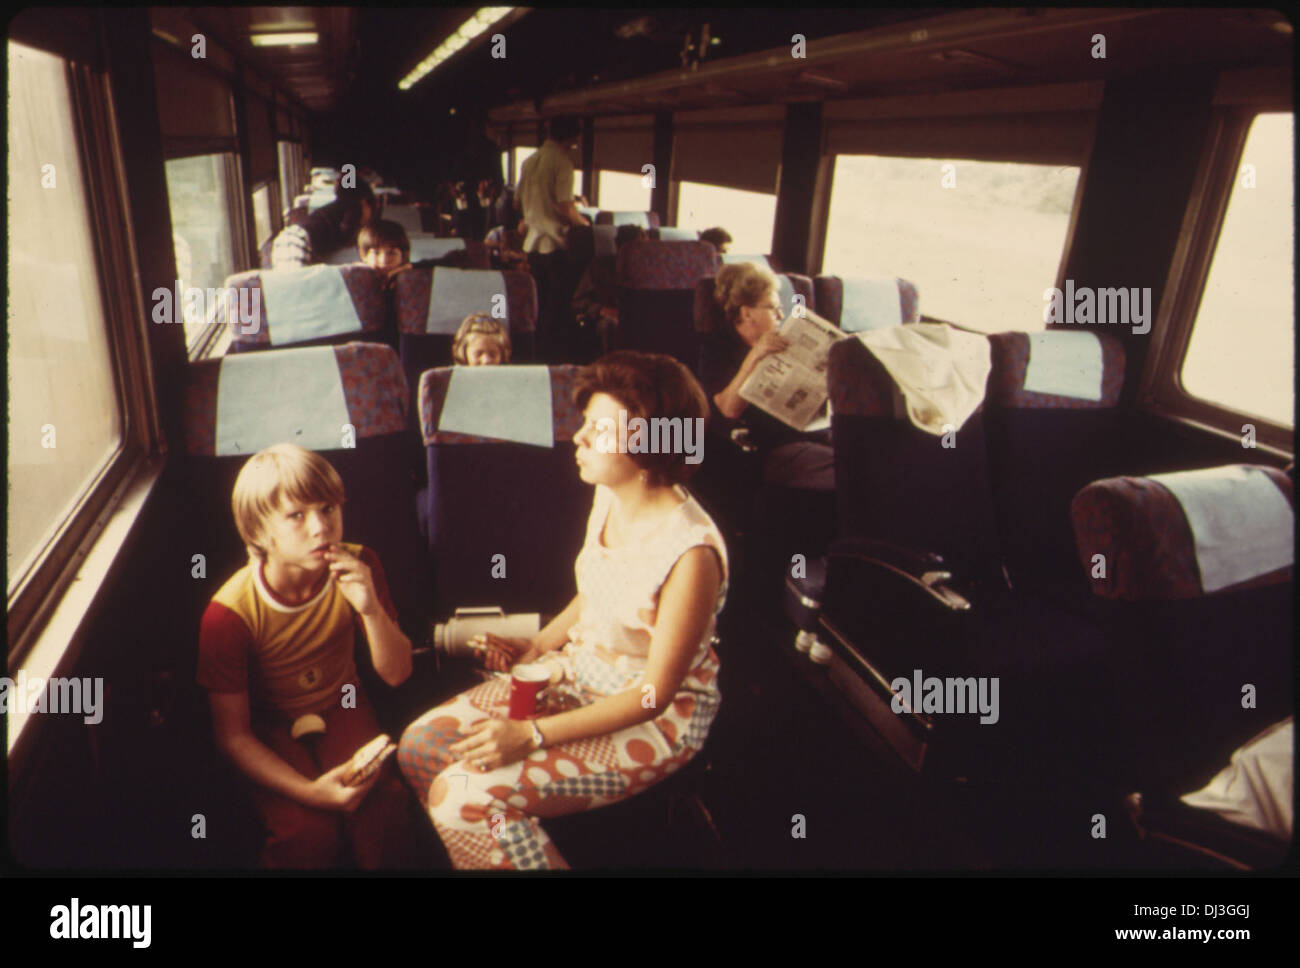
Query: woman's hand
pixel 499 654
pixel 495 742
pixel 329 792
pixel 770 342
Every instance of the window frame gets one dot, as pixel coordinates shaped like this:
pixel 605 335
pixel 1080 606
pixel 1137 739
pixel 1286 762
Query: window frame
pixel 1160 390
pixel 240 228
pixel 41 589
pixel 273 200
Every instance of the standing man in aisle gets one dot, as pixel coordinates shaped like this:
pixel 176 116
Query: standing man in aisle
pixel 546 199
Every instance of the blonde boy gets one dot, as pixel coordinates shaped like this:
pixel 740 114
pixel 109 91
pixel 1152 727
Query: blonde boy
pixel 276 655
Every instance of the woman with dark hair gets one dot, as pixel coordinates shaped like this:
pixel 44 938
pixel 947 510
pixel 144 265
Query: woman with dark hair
pixel 632 652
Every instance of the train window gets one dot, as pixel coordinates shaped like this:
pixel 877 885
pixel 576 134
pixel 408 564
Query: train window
pixel 981 239
pixel 521 155
pixel 199 192
pixel 747 216
pixel 289 156
pixel 262 214
pixel 622 192
pixel 65 419
pixel 1241 352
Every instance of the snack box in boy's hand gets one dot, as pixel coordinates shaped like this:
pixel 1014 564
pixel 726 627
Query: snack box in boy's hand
pixel 368 759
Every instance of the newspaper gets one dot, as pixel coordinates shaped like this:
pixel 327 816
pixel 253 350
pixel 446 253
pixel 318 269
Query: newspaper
pixel 791 385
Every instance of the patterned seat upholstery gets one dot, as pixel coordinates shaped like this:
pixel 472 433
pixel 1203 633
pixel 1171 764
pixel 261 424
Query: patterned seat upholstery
pixel 831 300
pixel 245 292
pixel 350 404
pixel 490 497
pixel 1206 665
pixel 1044 446
pixel 1139 528
pixel 423 348
pixel 657 282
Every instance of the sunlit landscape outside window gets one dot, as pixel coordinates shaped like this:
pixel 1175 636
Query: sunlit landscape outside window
pixel 748 216
pixel 197 193
pixel 622 192
pixel 980 252
pixel 1242 349
pixel 64 419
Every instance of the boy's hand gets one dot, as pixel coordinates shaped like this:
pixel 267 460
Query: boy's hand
pixel 354 580
pixel 329 792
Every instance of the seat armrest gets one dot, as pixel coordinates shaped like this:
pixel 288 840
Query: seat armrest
pixel 1165 818
pixel 923 570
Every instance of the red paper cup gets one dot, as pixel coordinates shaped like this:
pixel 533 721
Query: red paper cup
pixel 526 681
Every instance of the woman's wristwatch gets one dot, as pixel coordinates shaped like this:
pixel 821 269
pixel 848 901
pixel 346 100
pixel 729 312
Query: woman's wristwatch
pixel 538 739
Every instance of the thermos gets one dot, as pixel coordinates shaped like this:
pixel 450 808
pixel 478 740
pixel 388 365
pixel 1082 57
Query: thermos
pixel 452 636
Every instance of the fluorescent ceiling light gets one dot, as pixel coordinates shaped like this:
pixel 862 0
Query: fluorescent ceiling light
pixel 481 22
pixel 285 39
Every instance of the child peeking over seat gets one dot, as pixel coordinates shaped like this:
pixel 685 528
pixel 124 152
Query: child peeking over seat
pixel 481 341
pixel 385 246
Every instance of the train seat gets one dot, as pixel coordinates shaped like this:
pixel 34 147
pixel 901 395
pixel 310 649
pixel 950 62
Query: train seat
pixel 647 220
pixel 1242 820
pixel 431 304
pixel 669 233
pixel 314 305
pixel 855 304
pixel 504 518
pixel 407 216
pixel 1197 568
pixel 766 261
pixel 350 404
pixel 914 588
pixel 656 282
pixel 423 246
pixel 579 247
pixel 602 240
pixel 1053 424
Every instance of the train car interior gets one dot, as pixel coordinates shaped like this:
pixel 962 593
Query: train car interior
pixel 1033 611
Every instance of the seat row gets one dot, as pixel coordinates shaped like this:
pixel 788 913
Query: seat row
pixel 666 304
pixel 1123 617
